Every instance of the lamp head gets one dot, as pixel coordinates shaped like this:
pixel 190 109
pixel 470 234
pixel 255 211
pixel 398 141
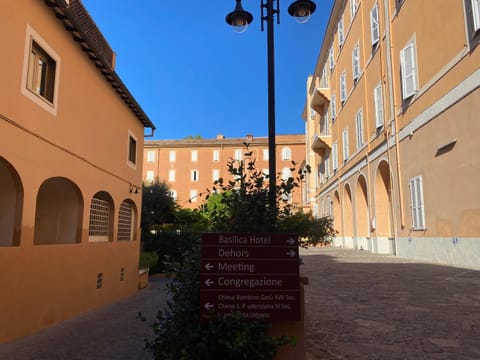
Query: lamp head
pixel 239 19
pixel 301 10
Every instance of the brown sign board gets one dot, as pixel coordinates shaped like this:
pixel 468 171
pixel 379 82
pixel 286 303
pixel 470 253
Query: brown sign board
pixel 266 305
pixel 212 266
pixel 255 275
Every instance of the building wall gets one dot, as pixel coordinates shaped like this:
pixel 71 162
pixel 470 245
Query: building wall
pixel 183 165
pixel 52 163
pixel 410 188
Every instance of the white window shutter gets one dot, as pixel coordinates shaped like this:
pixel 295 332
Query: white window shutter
pixel 409 80
pixel 378 99
pixel 476 14
pixel 374 25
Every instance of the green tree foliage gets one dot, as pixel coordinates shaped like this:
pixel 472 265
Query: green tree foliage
pixel 239 205
pixel 158 207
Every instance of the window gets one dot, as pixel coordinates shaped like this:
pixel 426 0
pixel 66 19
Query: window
pixel 416 198
pixel 374 26
pixel 353 8
pixel 150 176
pixel 324 79
pixel 378 100
pixel 476 14
pixel 194 175
pixel 472 8
pixel 345 144
pixel 333 107
pixel 331 57
pixel 359 126
pixel 334 156
pixel 286 153
pixel 41 73
pixel 150 156
pixel 132 150
pixel 193 196
pixel 356 62
pixel 409 70
pixel 173 195
pixel 265 172
pixel 216 155
pixel 341 35
pixel 101 217
pixel 286 172
pixel 171 175
pixel 172 156
pixel 326 125
pixel 126 223
pixel 265 154
pixel 343 87
pixel 327 166
pixel 215 174
pixel 238 154
pixel 194 155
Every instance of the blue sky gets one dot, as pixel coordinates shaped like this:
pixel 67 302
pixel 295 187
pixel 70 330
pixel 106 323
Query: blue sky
pixel 193 75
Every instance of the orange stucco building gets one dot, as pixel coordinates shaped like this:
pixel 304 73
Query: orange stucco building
pixel 190 166
pixel 392 117
pixel 71 140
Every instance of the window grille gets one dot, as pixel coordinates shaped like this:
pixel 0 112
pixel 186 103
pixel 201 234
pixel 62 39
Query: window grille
pixel 125 221
pixel 99 218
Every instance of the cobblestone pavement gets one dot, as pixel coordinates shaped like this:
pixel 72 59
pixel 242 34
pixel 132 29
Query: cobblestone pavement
pixel 365 306
pixel 109 333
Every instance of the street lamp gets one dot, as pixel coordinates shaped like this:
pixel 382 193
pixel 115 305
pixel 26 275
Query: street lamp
pixel 239 19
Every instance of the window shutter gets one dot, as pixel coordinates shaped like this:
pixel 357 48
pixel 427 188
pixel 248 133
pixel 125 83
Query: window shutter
pixel 335 156
pixel 340 32
pixel 374 26
pixel 378 99
pixel 343 90
pixel 333 106
pixel 409 81
pixel 475 10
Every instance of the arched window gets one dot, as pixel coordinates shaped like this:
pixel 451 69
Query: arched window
pixel 286 173
pixel 101 217
pixel 127 221
pixel 59 212
pixel 286 153
pixel 11 203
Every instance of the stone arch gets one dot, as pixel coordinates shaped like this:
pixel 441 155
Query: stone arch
pixel 127 221
pixel 59 212
pixel 11 204
pixel 347 211
pixel 337 215
pixel 383 215
pixel 100 226
pixel 361 208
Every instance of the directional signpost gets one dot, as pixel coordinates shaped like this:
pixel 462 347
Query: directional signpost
pixel 256 275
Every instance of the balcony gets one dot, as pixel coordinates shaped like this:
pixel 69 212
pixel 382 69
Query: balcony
pixel 320 99
pixel 321 144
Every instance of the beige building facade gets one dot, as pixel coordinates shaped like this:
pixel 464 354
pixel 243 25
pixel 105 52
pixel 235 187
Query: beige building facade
pixel 71 140
pixel 391 117
pixel 191 166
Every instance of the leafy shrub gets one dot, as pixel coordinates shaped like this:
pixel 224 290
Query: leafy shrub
pixel 148 260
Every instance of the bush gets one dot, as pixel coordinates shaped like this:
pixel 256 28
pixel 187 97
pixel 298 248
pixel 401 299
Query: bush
pixel 181 335
pixel 148 260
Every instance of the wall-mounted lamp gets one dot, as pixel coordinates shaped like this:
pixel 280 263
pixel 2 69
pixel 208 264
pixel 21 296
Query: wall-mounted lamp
pixel 134 189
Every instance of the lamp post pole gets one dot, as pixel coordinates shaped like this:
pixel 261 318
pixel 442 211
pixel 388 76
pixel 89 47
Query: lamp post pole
pixel 240 19
pixel 272 163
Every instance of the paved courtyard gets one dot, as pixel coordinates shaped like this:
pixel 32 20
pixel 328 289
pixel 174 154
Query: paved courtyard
pixel 365 306
pixel 358 306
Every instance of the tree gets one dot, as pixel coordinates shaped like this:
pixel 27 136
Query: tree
pixel 158 207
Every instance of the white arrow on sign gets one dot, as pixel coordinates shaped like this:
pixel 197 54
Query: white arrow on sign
pixel 209 266
pixel 291 253
pixel 290 241
pixel 209 282
pixel 208 306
